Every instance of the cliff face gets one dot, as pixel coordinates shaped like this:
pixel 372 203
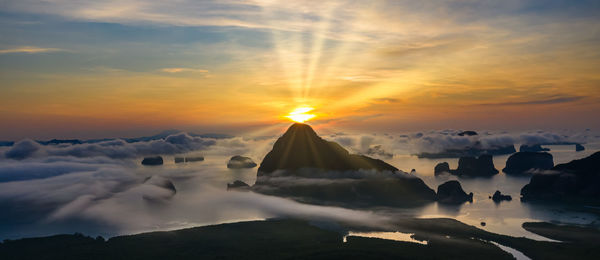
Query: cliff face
pixel 482 166
pixel 576 181
pixel 451 192
pixel 300 147
pixel 523 162
pixel 472 166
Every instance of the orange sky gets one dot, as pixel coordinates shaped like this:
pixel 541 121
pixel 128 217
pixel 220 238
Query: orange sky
pixel 135 67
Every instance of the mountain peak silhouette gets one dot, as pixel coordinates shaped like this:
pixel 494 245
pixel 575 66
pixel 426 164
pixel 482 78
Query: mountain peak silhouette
pixel 305 167
pixel 301 147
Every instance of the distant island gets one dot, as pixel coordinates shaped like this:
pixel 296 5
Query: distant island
pixel 577 181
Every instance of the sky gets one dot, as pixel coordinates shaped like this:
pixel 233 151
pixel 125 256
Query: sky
pixel 90 69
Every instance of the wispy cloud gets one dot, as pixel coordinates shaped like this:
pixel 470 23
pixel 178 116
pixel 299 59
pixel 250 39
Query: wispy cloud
pixel 105 69
pixel 180 70
pixel 440 58
pixel 385 100
pixel 29 50
pixel 548 101
pixel 429 46
pixel 360 78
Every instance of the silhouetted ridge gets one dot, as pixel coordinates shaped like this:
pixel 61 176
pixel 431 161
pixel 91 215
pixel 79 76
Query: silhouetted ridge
pixel 300 147
pixel 304 167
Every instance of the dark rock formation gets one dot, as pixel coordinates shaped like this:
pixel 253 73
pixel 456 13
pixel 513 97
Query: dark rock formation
pixel 483 166
pixel 307 168
pixel 379 152
pixel 441 168
pixel 194 159
pixel 238 185
pixel 157 160
pixel 498 196
pixel 473 167
pixel 239 162
pixel 524 162
pixel 477 150
pixel 451 192
pixel 6 143
pixel 578 146
pixel 300 147
pixel 59 141
pixel 189 159
pixel 532 148
pixel 576 181
pixel 467 133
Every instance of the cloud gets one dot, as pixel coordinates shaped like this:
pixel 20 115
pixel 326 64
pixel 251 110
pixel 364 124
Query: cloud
pixel 370 22
pixel 116 196
pixel 378 146
pixel 430 46
pixel 61 182
pixel 22 149
pixel 543 138
pixel 29 50
pixel 255 148
pixel 172 144
pixel 103 186
pixel 180 70
pixel 549 101
pixel 439 141
pixel 310 47
pixel 385 100
pixel 39 169
pixel 436 141
pixel 361 78
pixel 77 205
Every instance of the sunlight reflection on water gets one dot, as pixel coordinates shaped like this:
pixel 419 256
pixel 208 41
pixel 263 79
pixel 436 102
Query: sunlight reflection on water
pixel 514 252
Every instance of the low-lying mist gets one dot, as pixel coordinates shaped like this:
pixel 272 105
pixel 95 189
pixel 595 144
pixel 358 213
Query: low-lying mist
pixel 102 188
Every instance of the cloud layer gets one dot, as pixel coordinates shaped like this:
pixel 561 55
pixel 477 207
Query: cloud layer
pixel 116 149
pixel 101 188
pixel 440 140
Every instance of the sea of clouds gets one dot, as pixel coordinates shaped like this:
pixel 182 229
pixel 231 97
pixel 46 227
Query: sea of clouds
pixel 440 140
pixel 99 188
pixel 102 188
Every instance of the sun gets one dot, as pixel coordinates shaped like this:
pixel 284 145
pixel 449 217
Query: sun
pixel 300 114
